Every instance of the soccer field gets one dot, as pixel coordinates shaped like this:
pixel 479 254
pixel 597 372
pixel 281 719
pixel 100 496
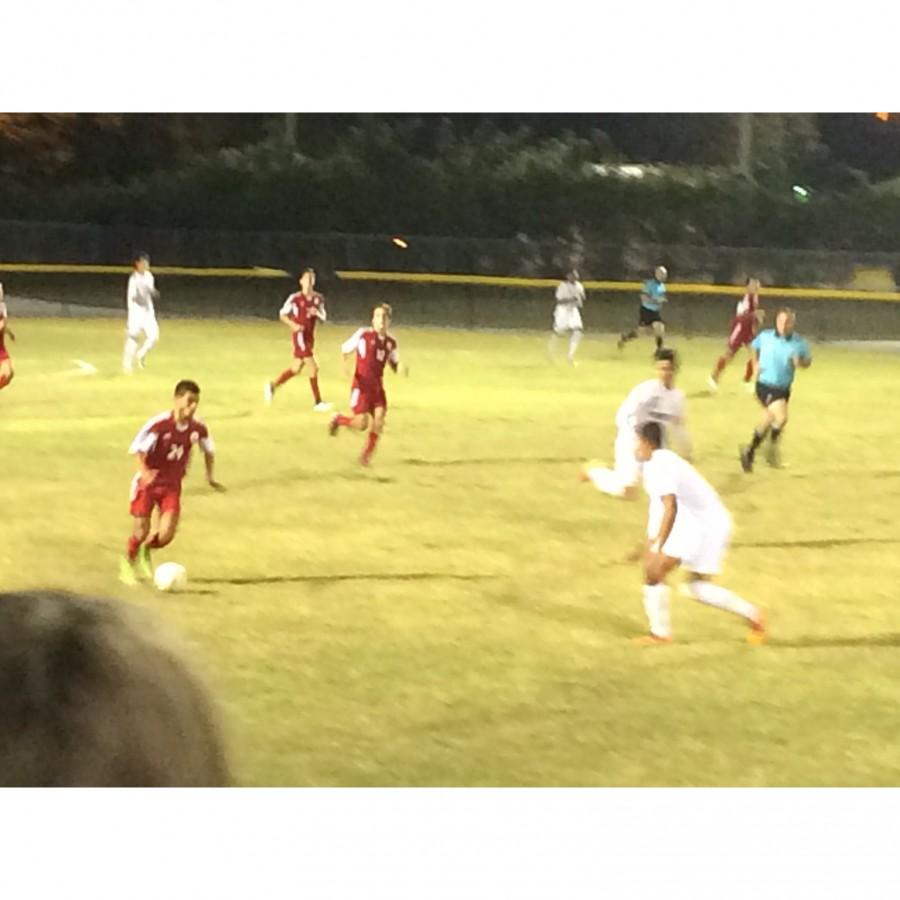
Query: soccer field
pixel 460 614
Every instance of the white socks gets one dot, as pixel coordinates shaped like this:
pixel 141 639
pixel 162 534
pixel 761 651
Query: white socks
pixel 147 346
pixel 131 346
pixel 606 480
pixel 574 338
pixel 656 605
pixel 722 598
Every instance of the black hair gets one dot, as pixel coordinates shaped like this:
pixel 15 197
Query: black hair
pixel 141 254
pixel 666 354
pixel 186 386
pixel 652 433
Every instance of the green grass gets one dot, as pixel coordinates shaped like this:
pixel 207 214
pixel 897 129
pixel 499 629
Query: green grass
pixel 460 614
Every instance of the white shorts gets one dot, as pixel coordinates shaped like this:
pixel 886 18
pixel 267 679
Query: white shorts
pixel 627 466
pixel 141 320
pixel 567 317
pixel 700 544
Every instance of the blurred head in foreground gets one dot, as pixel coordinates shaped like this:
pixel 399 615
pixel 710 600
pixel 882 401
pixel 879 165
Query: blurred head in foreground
pixel 92 695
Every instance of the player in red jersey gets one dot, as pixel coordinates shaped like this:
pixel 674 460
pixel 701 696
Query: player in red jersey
pixel 747 319
pixel 163 450
pixel 6 368
pixel 373 348
pixel 300 313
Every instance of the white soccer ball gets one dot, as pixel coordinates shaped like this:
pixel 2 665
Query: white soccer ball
pixel 170 576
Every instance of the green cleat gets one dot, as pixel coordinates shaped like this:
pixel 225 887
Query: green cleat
pixel 144 566
pixel 126 572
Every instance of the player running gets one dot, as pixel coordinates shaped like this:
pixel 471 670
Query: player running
pixel 653 296
pixel 163 450
pixel 141 295
pixel 567 315
pixel 300 313
pixel 777 352
pixel 656 400
pixel 6 366
pixel 688 526
pixel 373 348
pixel 747 320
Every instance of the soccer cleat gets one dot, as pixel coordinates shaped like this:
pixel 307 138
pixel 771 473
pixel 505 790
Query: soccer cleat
pixel 268 392
pixel 322 406
pixel 713 384
pixel 651 640
pixel 143 564
pixel 756 636
pixel 126 572
pixel 334 425
pixel 746 459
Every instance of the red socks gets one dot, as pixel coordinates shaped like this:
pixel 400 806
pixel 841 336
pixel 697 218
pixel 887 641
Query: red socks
pixel 748 372
pixel 134 544
pixel 343 420
pixel 4 381
pixel 314 384
pixel 286 375
pixel 720 366
pixel 370 446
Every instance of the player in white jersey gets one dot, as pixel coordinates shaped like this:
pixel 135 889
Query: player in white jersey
pixel 687 526
pixel 567 315
pixel 141 314
pixel 656 400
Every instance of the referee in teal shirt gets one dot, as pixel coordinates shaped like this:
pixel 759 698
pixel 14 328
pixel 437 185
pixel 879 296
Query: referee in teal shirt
pixel 777 352
pixel 653 296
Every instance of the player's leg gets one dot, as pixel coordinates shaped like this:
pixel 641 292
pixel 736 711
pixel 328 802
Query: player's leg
pixel 139 530
pixel 700 586
pixel 721 363
pixel 166 527
pixel 621 481
pixel 659 331
pixel 748 368
pixel 132 333
pixel 748 453
pixel 378 415
pixel 656 597
pixel 319 405
pixel 575 337
pixel 151 337
pixel 290 372
pixel 6 372
pixel 779 412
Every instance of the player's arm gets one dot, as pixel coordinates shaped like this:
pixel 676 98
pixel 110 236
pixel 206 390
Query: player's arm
pixel 209 459
pixel 683 438
pixel 145 473
pixel 804 358
pixel 394 362
pixel 4 325
pixel 284 314
pixel 320 310
pixel 132 293
pixel 154 291
pixel 670 510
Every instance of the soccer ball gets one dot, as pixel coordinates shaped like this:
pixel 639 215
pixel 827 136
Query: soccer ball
pixel 170 576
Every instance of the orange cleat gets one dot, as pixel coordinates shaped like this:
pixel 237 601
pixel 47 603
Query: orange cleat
pixel 651 640
pixel 757 634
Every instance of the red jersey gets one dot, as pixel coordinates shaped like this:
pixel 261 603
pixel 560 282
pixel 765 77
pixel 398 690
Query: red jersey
pixel 745 312
pixel 3 318
pixel 304 311
pixel 372 352
pixel 168 446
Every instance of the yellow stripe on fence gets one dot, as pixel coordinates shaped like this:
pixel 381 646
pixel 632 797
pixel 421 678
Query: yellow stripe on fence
pixel 678 288
pixel 191 271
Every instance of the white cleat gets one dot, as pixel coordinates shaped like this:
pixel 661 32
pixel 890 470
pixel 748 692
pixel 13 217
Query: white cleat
pixel 268 392
pixel 322 407
pixel 713 384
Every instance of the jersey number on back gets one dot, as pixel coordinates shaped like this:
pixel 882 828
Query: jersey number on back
pixel 176 451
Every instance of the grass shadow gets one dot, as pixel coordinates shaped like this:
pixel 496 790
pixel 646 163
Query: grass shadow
pixel 823 543
pixel 496 461
pixel 871 640
pixel 333 579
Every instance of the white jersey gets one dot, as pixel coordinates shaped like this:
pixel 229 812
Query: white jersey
pixel 650 401
pixel 667 473
pixel 570 293
pixel 141 288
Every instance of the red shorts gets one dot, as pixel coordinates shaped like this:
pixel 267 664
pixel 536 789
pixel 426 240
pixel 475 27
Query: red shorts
pixel 143 499
pixel 364 398
pixel 303 342
pixel 742 332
